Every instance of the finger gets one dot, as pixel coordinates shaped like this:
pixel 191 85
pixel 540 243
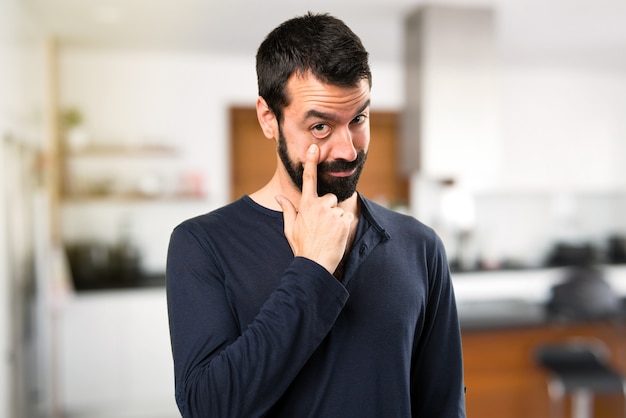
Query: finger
pixel 289 220
pixel 330 200
pixel 289 212
pixel 309 176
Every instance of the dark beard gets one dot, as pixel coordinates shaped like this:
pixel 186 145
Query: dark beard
pixel 342 187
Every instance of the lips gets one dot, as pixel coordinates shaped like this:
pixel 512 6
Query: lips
pixel 340 173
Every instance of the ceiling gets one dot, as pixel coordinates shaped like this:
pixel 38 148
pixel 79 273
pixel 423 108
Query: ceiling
pixel 585 31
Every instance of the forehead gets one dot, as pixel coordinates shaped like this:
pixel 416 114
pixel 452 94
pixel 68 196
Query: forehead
pixel 307 93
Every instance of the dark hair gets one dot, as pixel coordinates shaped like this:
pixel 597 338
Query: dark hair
pixel 317 43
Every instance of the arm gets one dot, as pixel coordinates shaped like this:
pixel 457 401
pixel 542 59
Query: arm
pixel 437 372
pixel 220 373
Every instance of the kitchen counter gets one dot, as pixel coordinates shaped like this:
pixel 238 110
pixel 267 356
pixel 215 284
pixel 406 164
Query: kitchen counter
pixel 139 281
pixel 515 298
pixel 504 319
pixel 505 313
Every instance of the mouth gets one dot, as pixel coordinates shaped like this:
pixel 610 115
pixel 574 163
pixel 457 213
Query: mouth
pixel 340 173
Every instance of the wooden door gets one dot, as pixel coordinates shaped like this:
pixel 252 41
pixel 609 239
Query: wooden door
pixel 254 158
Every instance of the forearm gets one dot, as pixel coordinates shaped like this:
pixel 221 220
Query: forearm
pixel 247 373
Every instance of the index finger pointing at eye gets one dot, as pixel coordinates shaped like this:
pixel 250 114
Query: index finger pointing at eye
pixel 309 176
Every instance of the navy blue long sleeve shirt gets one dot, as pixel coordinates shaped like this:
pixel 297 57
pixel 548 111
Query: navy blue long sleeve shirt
pixel 256 332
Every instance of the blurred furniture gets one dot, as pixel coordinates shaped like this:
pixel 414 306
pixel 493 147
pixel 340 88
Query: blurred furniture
pixel 579 368
pixel 503 378
pixel 583 295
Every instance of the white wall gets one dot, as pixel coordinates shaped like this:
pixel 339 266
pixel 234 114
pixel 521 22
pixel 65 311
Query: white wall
pixel 562 177
pixel 22 97
pixel 459 79
pixel 6 15
pixel 563 127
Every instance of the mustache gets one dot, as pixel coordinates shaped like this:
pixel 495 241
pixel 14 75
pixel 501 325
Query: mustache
pixel 341 165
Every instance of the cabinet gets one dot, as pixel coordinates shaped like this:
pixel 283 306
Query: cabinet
pixel 503 380
pixel 115 358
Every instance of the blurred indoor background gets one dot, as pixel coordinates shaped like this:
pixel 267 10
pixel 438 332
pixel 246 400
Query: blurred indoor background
pixel 500 123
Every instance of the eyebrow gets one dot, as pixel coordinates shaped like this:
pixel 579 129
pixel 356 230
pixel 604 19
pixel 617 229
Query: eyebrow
pixel 328 116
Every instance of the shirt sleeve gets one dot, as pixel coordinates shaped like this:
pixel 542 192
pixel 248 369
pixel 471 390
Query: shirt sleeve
pixel 221 372
pixel 437 388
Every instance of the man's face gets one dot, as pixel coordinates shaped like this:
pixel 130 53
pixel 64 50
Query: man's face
pixel 334 118
pixel 342 187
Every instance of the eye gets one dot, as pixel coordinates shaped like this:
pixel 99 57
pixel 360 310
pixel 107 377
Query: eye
pixel 320 130
pixel 359 119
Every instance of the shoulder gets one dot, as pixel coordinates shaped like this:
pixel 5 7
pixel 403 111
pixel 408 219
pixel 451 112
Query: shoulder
pixel 411 241
pixel 400 225
pixel 240 220
pixel 408 236
pixel 231 216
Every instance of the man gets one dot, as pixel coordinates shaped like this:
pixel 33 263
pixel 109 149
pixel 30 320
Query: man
pixel 305 299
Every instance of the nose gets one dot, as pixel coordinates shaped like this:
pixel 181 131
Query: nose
pixel 342 146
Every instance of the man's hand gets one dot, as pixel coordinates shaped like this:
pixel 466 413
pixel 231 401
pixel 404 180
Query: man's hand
pixel 319 229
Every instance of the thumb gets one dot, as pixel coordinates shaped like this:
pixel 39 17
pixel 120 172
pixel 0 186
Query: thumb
pixel 289 219
pixel 289 213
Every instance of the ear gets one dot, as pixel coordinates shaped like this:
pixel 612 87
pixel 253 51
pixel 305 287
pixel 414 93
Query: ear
pixel 267 119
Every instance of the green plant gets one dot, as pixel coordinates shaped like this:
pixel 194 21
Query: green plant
pixel 71 118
